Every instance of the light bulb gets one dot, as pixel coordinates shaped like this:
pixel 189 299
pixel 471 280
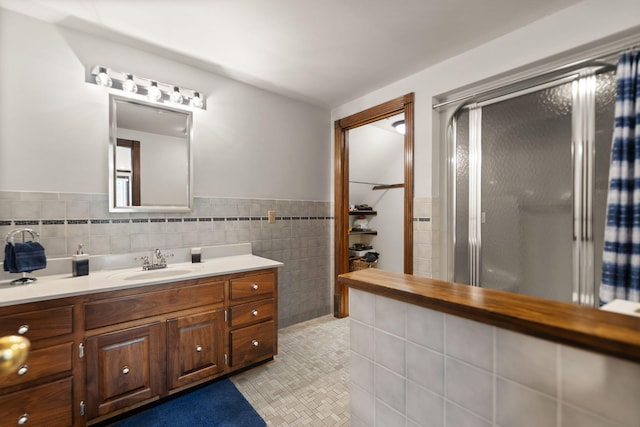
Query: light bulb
pixel 129 85
pixel 176 96
pixel 153 93
pixel 103 79
pixel 196 101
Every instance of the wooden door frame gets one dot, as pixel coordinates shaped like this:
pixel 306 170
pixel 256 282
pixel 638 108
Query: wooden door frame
pixel 403 104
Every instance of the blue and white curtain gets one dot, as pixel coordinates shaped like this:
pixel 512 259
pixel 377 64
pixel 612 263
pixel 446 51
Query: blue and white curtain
pixel 621 258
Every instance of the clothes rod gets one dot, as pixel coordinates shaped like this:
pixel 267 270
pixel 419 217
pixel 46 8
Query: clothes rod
pixel 386 187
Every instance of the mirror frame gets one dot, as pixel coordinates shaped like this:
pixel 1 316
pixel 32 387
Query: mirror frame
pixel 113 140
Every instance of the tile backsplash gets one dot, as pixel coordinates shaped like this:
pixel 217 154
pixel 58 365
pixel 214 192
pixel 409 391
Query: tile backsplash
pixel 300 237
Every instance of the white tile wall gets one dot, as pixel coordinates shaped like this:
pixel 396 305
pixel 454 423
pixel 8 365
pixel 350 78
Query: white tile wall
pixel 426 258
pixel 442 370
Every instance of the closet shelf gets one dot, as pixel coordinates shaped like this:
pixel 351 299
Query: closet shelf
pixel 363 213
pixel 371 232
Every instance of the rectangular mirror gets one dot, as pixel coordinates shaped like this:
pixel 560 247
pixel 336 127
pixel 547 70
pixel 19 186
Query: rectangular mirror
pixel 150 157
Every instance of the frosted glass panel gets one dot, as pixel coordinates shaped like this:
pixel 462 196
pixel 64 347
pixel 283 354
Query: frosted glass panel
pixel 605 113
pixel 461 246
pixel 527 194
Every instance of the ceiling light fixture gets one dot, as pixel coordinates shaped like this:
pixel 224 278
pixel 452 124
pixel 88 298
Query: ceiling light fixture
pixel 140 86
pixel 176 97
pixel 102 78
pixel 153 92
pixel 196 101
pixel 129 85
pixel 400 127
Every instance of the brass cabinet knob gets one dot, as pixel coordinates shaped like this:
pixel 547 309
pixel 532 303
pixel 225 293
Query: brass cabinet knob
pixel 255 343
pixel 23 369
pixel 23 329
pixel 125 370
pixel 254 313
pixel 254 286
pixel 23 419
pixel 198 348
pixel 14 350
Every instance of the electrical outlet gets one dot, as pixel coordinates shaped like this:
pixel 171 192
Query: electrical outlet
pixel 272 217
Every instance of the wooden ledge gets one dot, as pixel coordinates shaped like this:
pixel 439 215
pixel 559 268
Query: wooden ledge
pixel 578 326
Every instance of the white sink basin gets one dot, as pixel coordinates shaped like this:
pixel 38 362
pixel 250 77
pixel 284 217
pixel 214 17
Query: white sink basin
pixel 150 274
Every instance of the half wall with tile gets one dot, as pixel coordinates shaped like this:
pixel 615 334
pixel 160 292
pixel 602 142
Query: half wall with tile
pixel 415 366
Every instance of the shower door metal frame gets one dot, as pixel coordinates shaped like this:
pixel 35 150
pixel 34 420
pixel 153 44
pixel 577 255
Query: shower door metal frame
pixel 583 172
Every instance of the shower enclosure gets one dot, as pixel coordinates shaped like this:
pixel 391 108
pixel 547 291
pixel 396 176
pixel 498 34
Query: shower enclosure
pixel 528 184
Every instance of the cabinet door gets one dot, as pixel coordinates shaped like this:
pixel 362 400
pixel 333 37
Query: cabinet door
pixel 195 347
pixel 123 368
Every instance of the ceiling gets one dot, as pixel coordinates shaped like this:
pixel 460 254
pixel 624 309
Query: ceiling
pixel 325 52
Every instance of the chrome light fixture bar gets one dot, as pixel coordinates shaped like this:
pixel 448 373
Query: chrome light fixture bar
pixel 154 90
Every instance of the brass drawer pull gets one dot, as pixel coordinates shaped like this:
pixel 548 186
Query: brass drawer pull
pixel 23 330
pixel 23 419
pixel 255 343
pixel 198 348
pixel 125 370
pixel 23 369
pixel 254 313
pixel 254 286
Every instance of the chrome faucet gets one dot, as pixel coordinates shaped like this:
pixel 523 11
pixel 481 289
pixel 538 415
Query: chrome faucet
pixel 158 260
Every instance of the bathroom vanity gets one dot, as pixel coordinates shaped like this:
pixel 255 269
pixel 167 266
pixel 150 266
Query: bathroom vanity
pixel 112 341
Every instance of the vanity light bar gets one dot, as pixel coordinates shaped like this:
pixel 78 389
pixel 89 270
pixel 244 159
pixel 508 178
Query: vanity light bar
pixel 133 84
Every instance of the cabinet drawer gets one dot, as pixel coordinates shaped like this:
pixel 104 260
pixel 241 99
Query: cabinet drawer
pixel 134 307
pixel 41 363
pixel 46 405
pixel 252 312
pixel 259 285
pixel 252 344
pixel 40 324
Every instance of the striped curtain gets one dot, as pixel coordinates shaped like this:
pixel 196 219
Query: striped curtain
pixel 621 257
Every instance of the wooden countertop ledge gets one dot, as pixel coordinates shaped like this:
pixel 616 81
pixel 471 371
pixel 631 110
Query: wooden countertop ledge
pixel 579 326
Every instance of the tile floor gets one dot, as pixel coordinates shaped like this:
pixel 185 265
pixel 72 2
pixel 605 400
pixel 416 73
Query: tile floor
pixel 307 384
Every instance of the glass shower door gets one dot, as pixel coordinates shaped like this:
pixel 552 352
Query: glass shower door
pixel 526 186
pixel 530 189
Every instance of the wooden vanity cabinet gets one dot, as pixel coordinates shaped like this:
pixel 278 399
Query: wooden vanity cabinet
pixel 40 392
pixel 99 355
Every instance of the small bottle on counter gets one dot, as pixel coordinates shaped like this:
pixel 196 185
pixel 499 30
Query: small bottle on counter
pixel 80 263
pixel 196 255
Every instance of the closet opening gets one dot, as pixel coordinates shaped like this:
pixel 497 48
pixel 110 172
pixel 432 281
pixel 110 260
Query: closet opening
pixel 377 189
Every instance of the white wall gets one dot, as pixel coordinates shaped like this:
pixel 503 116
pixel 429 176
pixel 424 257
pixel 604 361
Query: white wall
pixel 54 126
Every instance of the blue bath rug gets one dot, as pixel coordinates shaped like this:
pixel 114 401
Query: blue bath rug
pixel 219 404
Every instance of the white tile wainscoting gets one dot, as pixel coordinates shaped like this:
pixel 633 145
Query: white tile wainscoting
pixel 412 366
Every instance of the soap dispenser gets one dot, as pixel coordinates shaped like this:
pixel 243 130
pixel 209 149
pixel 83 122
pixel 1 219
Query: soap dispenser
pixel 80 263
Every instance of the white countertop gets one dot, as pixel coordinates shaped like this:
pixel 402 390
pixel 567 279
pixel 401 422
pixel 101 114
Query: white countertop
pixel 65 285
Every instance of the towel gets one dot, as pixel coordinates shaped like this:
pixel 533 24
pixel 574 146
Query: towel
pixel 10 259
pixel 24 257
